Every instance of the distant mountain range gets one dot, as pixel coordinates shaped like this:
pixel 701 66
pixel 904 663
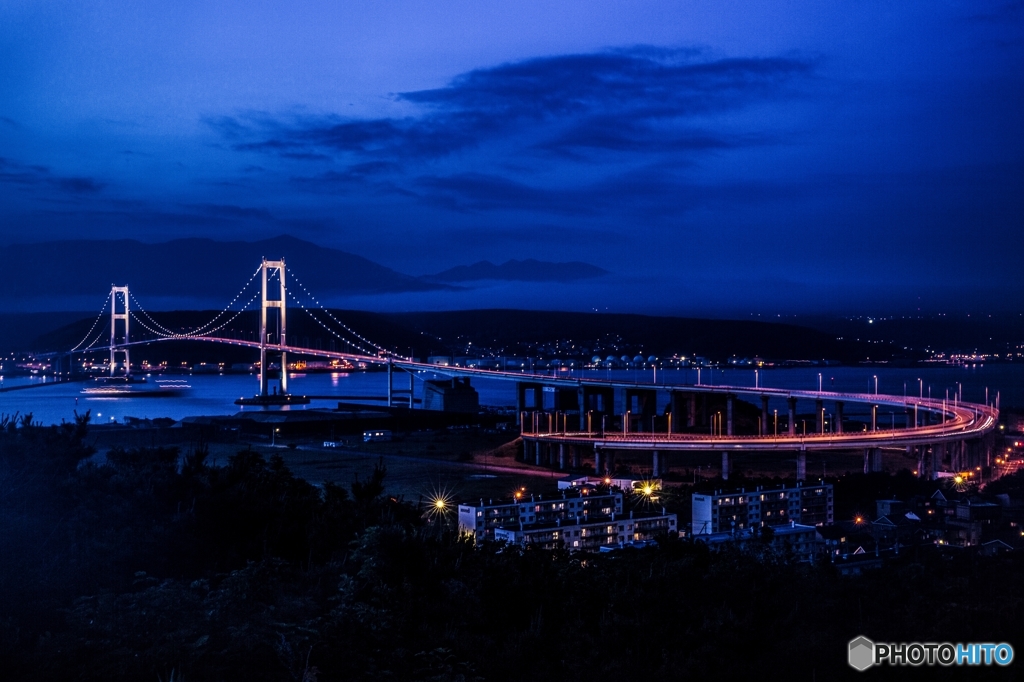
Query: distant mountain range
pixel 196 272
pixel 188 267
pixel 529 270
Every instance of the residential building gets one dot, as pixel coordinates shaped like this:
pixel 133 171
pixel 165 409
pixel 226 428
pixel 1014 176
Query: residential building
pixel 567 506
pixel 800 541
pixel 591 534
pixel 721 511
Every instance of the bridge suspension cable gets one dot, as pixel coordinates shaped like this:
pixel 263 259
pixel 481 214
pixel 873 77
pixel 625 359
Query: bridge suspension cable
pixel 332 332
pixel 193 335
pixel 106 301
pixel 320 306
pixel 164 332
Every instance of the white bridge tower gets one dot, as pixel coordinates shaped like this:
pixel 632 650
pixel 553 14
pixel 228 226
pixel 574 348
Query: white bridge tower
pixel 280 303
pixel 119 294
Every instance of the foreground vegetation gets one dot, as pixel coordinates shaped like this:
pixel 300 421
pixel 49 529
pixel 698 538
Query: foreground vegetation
pixel 155 566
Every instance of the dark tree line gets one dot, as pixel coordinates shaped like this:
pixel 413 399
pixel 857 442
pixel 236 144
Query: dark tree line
pixel 155 565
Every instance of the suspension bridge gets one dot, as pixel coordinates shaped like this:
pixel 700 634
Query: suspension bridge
pixel 581 419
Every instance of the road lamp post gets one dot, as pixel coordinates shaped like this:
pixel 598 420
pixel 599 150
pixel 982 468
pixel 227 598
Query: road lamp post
pixel 875 377
pixel 920 389
pixel 819 382
pixel 776 424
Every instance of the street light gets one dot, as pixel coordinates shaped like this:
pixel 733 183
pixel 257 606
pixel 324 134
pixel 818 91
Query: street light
pixel 875 377
pixel 819 382
pixel 920 389
pixel 776 424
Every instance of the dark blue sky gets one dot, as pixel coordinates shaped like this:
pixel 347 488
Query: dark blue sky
pixel 717 157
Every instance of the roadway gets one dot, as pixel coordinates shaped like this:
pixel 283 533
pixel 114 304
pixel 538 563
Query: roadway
pixel 960 421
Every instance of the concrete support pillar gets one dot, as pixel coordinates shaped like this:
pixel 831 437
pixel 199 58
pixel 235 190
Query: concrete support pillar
pixel 581 399
pixel 597 461
pixel 561 456
pixel 801 465
pixel 655 465
pixel 725 466
pixel 691 412
pixel 391 384
pixel 819 417
pixel 536 447
pixel 728 414
pixel 839 416
pixel 575 456
pixel 792 416
pixel 412 390
pixel 874 417
pixel 764 415
pixel 677 410
pixel 917 451
pixel 936 463
pixel 876 459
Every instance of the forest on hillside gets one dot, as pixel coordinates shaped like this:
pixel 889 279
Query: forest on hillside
pixel 156 565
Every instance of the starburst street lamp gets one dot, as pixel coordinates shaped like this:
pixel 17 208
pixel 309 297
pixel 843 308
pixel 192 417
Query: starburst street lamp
pixel 439 505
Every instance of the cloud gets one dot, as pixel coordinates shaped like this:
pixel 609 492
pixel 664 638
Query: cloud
pixel 565 135
pixel 29 175
pixel 638 99
pixel 231 212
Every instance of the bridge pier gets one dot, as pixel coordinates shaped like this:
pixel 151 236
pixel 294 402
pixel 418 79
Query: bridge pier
pixel 764 415
pixel 536 448
pixel 728 413
pixel 792 415
pixel 839 416
pixel 581 400
pixel 916 452
pixel 644 399
pixel 522 388
pixel 801 465
pixel 819 416
pixel 561 456
pixel 691 412
pixel 872 460
pixel 725 466
pixel 677 411
pixel 597 461
pixel 655 465
pixel 575 456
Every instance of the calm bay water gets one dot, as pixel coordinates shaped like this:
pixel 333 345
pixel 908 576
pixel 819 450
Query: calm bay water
pixel 215 394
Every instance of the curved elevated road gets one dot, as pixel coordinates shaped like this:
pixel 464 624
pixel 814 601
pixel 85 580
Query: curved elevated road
pixel 959 422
